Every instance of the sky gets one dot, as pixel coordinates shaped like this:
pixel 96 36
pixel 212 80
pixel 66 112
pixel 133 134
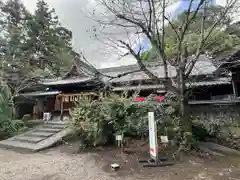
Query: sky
pixel 74 15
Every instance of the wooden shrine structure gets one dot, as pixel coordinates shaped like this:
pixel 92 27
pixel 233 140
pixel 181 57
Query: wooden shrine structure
pixel 57 96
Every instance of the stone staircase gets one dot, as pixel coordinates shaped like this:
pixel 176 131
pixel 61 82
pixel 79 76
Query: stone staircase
pixel 39 138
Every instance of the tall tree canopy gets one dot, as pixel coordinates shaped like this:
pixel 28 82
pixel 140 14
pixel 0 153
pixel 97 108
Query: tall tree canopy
pixel 32 46
pixel 47 38
pixel 224 37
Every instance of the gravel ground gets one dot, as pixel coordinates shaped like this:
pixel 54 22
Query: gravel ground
pixel 57 165
pixel 51 165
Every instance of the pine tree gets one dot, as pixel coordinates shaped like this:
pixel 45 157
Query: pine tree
pixel 13 37
pixel 32 46
pixel 47 38
pixel 13 23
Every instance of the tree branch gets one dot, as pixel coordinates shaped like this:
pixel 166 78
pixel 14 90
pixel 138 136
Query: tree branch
pixel 205 37
pixel 173 27
pixel 139 61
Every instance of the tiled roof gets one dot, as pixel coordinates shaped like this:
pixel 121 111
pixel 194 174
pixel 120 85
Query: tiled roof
pixel 203 66
pixel 40 93
pixel 217 81
pixel 141 87
pixel 223 102
pixel 225 59
pixel 66 81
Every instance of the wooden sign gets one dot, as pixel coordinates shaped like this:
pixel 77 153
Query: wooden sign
pixel 71 98
pixel 75 97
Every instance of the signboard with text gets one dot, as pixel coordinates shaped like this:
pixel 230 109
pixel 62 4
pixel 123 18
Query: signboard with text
pixel 152 136
pixel 75 97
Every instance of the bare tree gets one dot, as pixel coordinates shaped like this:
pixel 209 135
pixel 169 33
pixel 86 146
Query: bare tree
pixel 150 18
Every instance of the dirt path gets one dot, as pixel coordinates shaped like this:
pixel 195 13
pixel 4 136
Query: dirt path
pixel 57 165
pixel 51 165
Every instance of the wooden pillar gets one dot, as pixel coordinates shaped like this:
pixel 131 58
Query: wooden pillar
pixel 234 89
pixel 61 115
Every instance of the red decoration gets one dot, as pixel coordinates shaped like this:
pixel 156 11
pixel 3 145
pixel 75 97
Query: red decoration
pixel 159 98
pixel 138 99
pixel 152 150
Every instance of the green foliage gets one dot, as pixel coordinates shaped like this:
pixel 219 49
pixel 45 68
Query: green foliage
pixel 217 128
pixel 217 42
pixel 47 38
pixel 119 111
pixel 33 46
pixel 223 38
pixel 89 123
pixel 151 55
pixel 7 126
pixel 99 121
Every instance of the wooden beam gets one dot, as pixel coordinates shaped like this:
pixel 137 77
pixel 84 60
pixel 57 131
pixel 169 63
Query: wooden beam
pixel 77 94
pixel 61 115
pixel 235 93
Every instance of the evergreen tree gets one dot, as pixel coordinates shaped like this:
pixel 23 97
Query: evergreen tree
pixel 13 37
pixel 14 17
pixel 47 39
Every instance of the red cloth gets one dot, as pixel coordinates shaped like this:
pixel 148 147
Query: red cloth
pixel 140 99
pixel 159 98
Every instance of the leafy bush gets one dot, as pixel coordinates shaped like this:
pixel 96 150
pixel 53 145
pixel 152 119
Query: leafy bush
pixel 97 122
pixel 89 123
pixel 217 129
pixel 124 115
pixel 213 127
pixel 8 127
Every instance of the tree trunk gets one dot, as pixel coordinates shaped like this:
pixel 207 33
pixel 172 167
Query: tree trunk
pixel 185 121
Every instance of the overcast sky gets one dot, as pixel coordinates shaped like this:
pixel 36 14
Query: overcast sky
pixel 73 14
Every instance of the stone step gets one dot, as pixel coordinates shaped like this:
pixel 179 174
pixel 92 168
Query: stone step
pixel 54 126
pixel 25 143
pixel 18 146
pixel 45 129
pixel 28 139
pixel 56 122
pixel 39 134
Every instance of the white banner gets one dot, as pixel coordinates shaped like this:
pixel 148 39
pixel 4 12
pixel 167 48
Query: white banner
pixel 152 136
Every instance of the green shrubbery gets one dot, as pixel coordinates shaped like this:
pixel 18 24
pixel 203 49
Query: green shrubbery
pixel 97 122
pixel 217 129
pixel 7 126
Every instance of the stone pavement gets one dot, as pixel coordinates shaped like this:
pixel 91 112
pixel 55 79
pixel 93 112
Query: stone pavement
pixel 39 138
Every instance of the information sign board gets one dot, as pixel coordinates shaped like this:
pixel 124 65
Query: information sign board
pixel 152 136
